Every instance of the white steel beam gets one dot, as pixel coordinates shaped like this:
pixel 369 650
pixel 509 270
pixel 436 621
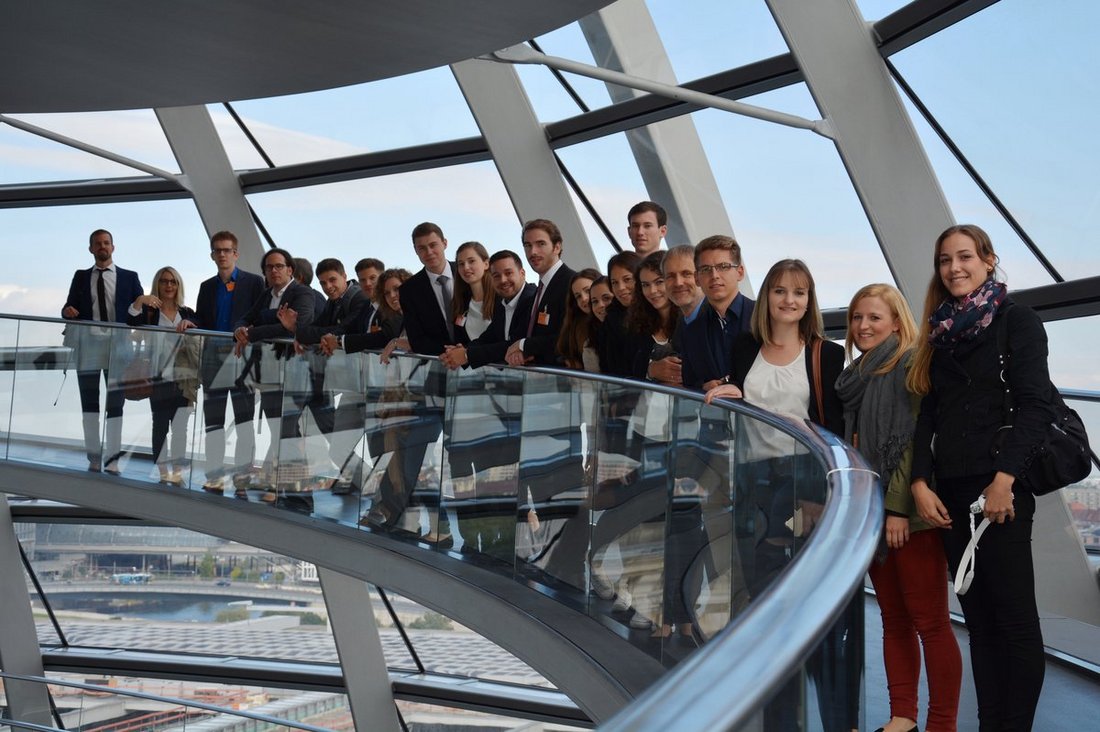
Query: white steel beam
pixel 214 186
pixel 521 153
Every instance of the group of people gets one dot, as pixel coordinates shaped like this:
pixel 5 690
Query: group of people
pixel 678 317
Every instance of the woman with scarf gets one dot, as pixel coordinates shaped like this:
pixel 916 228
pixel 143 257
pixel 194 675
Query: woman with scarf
pixel 879 415
pixel 959 371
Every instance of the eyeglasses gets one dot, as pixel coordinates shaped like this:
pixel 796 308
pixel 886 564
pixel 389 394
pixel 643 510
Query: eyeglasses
pixel 709 269
pixel 165 282
pixel 275 266
pixel 222 250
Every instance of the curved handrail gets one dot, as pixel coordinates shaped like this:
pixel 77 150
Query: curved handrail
pixel 825 450
pixel 115 691
pixel 756 653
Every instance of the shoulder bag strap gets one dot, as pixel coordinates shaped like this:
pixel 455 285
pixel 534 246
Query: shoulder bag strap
pixel 818 392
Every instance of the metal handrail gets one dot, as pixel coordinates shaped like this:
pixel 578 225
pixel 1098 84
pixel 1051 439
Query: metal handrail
pixel 757 652
pixel 162 699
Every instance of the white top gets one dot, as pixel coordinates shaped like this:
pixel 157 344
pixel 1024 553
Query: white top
pixel 476 324
pixel 784 389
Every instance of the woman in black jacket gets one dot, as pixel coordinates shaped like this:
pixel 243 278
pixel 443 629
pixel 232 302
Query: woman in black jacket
pixel 959 371
pixel 173 361
pixel 785 365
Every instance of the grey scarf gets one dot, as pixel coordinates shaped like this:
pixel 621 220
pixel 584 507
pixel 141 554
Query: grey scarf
pixel 877 407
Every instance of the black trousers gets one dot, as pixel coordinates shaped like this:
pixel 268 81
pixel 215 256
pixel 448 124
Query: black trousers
pixel 1006 643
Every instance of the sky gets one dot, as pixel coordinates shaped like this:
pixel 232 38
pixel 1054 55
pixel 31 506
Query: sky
pixel 1015 85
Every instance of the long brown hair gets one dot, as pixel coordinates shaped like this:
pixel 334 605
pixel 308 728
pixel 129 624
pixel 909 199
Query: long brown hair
pixel 642 317
pixel 918 379
pixel 811 326
pixel 463 293
pixel 384 310
pixel 575 328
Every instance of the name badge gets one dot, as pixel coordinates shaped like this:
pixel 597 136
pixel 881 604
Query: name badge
pixel 375 327
pixel 544 318
pixel 460 320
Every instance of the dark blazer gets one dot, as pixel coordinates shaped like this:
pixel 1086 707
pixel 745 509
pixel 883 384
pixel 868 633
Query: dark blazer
pixel 965 407
pixel 262 321
pixel 424 322
pixel 543 343
pixel 746 349
pixel 246 291
pixel 388 329
pixel 127 289
pixel 699 365
pixel 491 345
pixel 337 317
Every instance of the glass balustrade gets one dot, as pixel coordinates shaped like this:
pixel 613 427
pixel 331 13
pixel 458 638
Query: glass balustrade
pixel 658 516
pixel 170 705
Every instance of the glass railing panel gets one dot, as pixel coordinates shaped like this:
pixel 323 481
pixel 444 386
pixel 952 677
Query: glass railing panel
pixel 1084 497
pixel 553 516
pixel 128 704
pixel 481 457
pixel 406 487
pixel 630 502
pixel 704 583
pixel 224 444
pixel 11 362
pixel 47 426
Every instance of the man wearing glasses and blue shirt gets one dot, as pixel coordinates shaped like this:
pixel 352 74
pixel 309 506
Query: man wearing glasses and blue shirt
pixel 708 339
pixel 223 300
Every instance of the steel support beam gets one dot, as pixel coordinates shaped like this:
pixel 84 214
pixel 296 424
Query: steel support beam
pixel 19 652
pixel 214 186
pixel 874 135
pixel 669 154
pixel 520 151
pixel 351 612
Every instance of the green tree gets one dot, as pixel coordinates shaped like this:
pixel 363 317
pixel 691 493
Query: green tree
pixel 431 621
pixel 207 566
pixel 231 615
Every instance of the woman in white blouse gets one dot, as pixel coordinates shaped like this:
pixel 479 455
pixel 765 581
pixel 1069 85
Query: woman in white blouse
pixel 474 298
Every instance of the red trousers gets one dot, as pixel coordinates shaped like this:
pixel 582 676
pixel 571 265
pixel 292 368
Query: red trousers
pixel 911 587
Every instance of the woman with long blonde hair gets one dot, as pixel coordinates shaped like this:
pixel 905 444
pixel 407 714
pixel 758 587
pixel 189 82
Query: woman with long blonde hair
pixel 908 576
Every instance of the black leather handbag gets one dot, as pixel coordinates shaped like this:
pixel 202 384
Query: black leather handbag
pixel 1063 457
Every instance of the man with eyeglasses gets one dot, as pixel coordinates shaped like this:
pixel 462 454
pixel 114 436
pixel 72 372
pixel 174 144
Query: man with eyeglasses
pixel 262 323
pixel 223 300
pixel 708 339
pixel 102 292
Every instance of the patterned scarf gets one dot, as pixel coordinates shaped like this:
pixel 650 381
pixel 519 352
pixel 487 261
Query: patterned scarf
pixel 956 322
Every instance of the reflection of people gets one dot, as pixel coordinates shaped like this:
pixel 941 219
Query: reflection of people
pixel 101 293
pixel 175 370
pixel 958 368
pixel 879 414
pixel 223 300
pixel 778 366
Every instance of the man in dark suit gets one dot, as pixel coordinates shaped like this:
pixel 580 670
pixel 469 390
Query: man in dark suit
pixel 367 271
pixel 223 300
pixel 708 340
pixel 510 316
pixel 426 307
pixel 262 323
pixel 343 310
pixel 102 293
pixel 542 244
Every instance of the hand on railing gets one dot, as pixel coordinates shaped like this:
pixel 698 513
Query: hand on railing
pixel 397 344
pixel 454 357
pixel 288 317
pixel 329 344
pixel 722 391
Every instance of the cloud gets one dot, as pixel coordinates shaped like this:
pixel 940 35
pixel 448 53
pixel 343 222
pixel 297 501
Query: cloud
pixel 44 301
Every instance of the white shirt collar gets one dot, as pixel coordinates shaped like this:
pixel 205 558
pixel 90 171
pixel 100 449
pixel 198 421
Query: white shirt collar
pixel 545 279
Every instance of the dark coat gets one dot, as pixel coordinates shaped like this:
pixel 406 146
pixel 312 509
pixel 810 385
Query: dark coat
pixel 127 289
pixel 388 329
pixel 340 316
pixel 491 345
pixel 965 407
pixel 543 342
pixel 246 291
pixel 746 349
pixel 262 321
pixel 425 325
pixel 699 364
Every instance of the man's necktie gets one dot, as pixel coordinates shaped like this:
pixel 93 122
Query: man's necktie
pixel 101 293
pixel 535 310
pixel 445 282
